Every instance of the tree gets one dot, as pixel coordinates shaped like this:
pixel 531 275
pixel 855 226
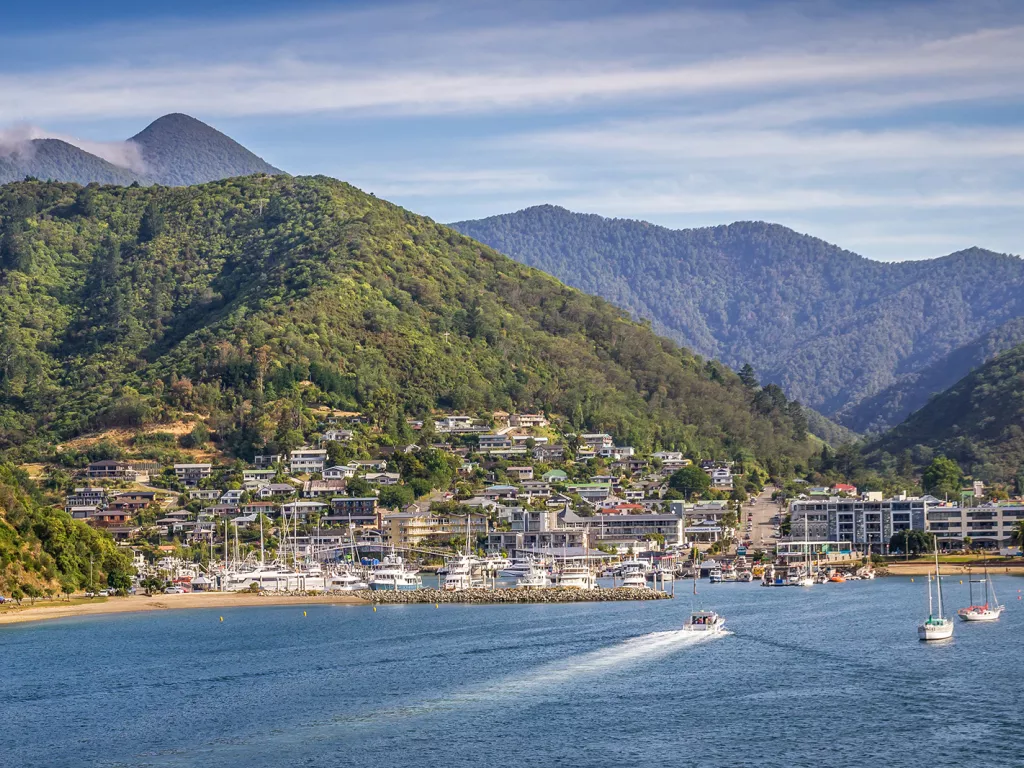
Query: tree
pixel 748 376
pixel 912 542
pixel 17 595
pixel 943 478
pixel 153 222
pixel 119 580
pixel 689 481
pixel 68 587
pixel 1018 534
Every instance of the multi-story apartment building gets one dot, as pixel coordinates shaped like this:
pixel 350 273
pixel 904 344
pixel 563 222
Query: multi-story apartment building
pixel 307 460
pixel 191 474
pixel 862 523
pixel 989 525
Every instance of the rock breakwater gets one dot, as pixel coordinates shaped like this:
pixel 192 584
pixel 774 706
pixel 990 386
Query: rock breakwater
pixel 513 595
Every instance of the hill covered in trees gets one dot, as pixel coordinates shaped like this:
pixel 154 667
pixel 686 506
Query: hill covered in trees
pixel 894 403
pixel 179 150
pixel 56 159
pixel 42 548
pixel 173 150
pixel 979 423
pixel 246 299
pixel 831 327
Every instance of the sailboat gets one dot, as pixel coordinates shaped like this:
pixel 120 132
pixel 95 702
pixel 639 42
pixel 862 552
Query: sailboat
pixel 706 622
pixel 935 627
pixel 991 608
pixel 805 579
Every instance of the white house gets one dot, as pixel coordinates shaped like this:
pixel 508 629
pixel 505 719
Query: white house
pixel 307 460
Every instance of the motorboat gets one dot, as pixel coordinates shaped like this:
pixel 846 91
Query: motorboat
pixel 576 577
pixel 517 568
pixel 460 574
pixel 392 574
pixel 537 578
pixel 705 622
pixel 346 582
pixel 715 575
pixel 634 578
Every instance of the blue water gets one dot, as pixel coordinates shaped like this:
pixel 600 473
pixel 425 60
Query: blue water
pixel 827 676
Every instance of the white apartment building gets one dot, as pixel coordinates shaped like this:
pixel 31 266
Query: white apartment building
pixel 861 523
pixel 307 460
pixel 990 525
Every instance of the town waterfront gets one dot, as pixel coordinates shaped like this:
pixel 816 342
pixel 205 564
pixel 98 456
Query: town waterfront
pixel 829 675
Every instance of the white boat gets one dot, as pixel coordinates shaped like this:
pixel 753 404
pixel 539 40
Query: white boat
pixel 462 573
pixel 537 578
pixel 517 568
pixel 990 610
pixel 392 574
pixel 706 622
pixel 805 579
pixel 715 575
pixel 935 627
pixel 346 582
pixel 576 577
pixel 634 578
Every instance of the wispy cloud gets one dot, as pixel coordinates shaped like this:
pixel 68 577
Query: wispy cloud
pixel 684 115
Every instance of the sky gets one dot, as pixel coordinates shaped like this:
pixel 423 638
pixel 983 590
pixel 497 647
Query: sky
pixel 893 129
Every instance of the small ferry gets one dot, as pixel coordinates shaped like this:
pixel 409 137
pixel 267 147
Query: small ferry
pixel 707 622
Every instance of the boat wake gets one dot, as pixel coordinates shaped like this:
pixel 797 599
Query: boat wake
pixel 552 674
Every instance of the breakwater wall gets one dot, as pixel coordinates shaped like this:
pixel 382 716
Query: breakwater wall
pixel 513 595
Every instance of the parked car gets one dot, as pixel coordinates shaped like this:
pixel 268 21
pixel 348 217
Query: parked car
pixel 174 591
pixel 104 593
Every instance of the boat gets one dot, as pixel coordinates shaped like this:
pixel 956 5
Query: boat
pixel 990 610
pixel 576 577
pixel 701 621
pixel 745 576
pixel 707 622
pixel 346 581
pixel 461 573
pixel 392 574
pixel 837 578
pixel 805 578
pixel 537 578
pixel 715 575
pixel 634 577
pixel 517 568
pixel 935 627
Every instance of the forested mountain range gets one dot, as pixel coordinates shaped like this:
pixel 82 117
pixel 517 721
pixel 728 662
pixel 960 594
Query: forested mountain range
pixel 244 300
pixel 829 326
pixel 895 403
pixel 173 150
pixel 979 422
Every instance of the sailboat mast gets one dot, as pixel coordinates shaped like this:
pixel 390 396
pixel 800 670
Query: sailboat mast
pixel 930 611
pixel 938 579
pixel 261 537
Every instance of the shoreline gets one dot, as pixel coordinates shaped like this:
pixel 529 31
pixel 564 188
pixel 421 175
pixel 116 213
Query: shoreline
pixel 52 610
pixel 949 569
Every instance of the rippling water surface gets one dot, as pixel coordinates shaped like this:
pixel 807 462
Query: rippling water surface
pixel 826 676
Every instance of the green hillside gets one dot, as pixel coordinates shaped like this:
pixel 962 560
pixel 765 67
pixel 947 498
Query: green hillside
pixel 245 299
pixel 43 548
pixel 979 422
pixel 829 326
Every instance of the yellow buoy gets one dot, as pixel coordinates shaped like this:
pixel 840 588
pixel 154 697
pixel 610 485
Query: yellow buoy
pixel 911 580
pixel 303 613
pixel 961 581
pixel 437 605
pixel 222 618
pixel 375 609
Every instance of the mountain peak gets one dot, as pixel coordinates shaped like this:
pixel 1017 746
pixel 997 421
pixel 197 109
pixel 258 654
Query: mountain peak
pixel 178 149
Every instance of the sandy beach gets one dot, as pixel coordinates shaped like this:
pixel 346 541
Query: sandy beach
pixel 1015 568
pixel 55 609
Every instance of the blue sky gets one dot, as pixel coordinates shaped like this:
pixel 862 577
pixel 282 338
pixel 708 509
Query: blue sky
pixel 893 129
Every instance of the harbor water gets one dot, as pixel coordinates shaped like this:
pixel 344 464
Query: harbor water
pixel 831 675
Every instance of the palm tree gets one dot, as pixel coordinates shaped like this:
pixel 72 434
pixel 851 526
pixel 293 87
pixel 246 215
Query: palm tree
pixel 1018 534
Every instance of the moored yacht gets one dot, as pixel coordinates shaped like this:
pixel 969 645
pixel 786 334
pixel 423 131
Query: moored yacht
pixel 990 610
pixel 634 578
pixel 392 574
pixel 935 627
pixel 537 578
pixel 576 577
